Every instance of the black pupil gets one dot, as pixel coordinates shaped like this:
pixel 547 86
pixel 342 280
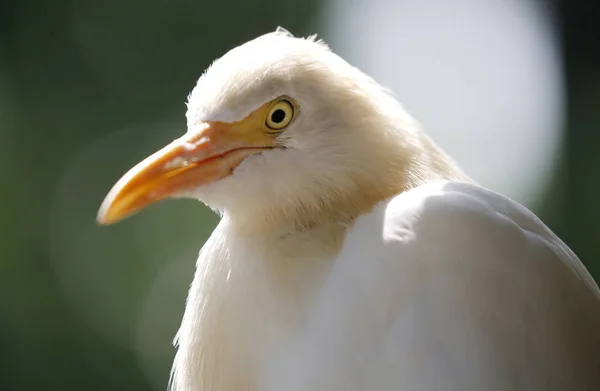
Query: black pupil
pixel 278 116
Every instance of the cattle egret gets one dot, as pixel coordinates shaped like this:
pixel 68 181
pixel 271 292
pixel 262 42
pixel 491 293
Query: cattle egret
pixel 352 253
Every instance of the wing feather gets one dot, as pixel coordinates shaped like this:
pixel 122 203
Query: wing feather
pixel 449 287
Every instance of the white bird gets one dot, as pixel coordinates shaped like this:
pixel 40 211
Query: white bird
pixel 352 253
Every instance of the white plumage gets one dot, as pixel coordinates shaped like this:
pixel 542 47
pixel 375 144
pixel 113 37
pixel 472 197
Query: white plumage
pixel 353 254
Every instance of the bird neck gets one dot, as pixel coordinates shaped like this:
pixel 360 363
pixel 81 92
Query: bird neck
pixel 395 168
pixel 250 293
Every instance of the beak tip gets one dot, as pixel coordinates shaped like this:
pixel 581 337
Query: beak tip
pixel 102 218
pixel 113 210
pixel 106 214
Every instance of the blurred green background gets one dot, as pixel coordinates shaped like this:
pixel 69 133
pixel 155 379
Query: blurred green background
pixel 87 89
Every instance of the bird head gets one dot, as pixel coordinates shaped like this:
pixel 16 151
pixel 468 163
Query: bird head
pixel 279 126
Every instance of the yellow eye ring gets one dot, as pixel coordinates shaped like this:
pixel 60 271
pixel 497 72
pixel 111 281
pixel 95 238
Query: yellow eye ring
pixel 280 115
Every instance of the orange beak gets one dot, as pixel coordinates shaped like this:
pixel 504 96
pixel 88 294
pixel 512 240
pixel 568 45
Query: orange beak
pixel 208 152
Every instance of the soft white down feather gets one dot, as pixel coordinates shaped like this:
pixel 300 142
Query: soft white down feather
pixel 352 253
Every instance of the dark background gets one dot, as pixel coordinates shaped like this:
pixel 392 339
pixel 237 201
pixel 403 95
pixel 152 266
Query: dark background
pixel 87 88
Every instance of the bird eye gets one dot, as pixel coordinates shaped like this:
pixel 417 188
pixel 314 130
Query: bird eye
pixel 280 115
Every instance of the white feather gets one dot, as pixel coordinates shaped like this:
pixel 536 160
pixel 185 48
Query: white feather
pixel 447 287
pixel 360 257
